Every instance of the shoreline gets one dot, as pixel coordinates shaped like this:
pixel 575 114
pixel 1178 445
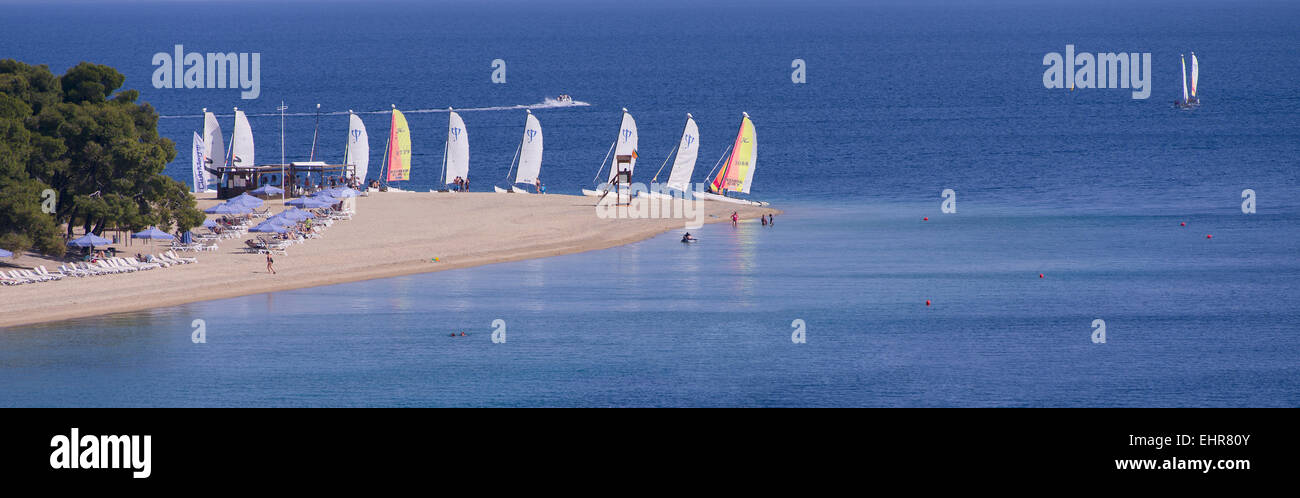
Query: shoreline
pixel 392 235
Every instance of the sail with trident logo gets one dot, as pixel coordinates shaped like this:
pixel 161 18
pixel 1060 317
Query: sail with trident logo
pixel 399 148
pixel 358 147
pixel 530 154
pixel 687 151
pixel 457 156
pixel 626 145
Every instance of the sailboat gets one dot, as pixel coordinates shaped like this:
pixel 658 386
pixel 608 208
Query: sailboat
pixel 455 157
pixel 357 150
pixel 397 153
pixel 214 148
pixel 737 172
pixel 624 149
pixel 529 154
pixel 687 150
pixel 1195 74
pixel 241 142
pixel 1183 104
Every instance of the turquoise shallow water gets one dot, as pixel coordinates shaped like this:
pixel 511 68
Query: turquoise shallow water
pixel 1190 322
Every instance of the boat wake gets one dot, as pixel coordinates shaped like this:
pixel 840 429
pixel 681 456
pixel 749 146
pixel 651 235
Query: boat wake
pixel 546 103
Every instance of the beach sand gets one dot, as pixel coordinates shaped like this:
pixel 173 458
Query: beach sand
pixel 392 233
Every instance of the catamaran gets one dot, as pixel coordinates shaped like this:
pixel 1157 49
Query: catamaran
pixel 624 149
pixel 687 150
pixel 455 156
pixel 397 152
pixel 356 152
pixel 529 154
pixel 738 172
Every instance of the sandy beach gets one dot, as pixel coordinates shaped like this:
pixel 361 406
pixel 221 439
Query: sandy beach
pixel 392 233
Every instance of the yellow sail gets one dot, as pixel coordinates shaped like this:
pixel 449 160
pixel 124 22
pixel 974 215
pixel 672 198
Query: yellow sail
pixel 739 170
pixel 399 149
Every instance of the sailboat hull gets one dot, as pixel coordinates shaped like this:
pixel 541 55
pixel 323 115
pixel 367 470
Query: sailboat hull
pixel 708 196
pixel 499 190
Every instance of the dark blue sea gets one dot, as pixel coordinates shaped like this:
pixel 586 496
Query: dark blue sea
pixel 902 100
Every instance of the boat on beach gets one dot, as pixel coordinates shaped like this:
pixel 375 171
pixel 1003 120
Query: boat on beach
pixel 624 150
pixel 455 155
pixel 529 156
pixel 685 154
pixel 737 172
pixel 397 152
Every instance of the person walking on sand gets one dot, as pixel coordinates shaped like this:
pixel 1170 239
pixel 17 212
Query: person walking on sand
pixel 269 263
pixel 735 218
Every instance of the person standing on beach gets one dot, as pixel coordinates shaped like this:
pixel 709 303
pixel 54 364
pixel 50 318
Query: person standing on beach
pixel 270 262
pixel 771 221
pixel 734 218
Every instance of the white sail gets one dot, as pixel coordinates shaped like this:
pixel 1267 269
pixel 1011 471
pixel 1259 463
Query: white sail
pixel 214 146
pixel 1195 74
pixel 687 151
pixel 626 144
pixel 241 145
pixel 1184 61
pixel 457 149
pixel 358 148
pixel 530 152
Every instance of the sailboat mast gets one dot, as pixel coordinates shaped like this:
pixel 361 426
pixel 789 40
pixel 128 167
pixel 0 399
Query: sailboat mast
pixel 446 143
pixel 389 143
pixel 315 132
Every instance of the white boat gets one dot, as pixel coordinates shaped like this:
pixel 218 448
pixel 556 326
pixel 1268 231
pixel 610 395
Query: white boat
pixel 529 154
pixel 737 172
pixel 455 157
pixel 214 148
pixel 625 154
pixel 357 150
pixel 241 142
pixel 686 152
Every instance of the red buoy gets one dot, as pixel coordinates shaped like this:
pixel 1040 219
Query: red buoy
pixel 1209 236
pixel 927 302
pixel 1182 224
pixel 1040 275
pixel 927 218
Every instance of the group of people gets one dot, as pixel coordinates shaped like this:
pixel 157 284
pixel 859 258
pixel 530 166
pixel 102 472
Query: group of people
pixel 462 184
pixel 768 220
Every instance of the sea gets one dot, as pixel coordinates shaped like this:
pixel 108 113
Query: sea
pixel 1077 216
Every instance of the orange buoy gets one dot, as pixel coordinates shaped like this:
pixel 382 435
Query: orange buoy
pixel 927 302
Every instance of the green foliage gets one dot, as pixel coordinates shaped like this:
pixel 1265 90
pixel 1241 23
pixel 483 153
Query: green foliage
pixel 99 152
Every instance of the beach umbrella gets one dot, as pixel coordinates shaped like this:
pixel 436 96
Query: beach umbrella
pixel 152 233
pixel 228 208
pixel 6 254
pixel 308 203
pixel 293 215
pixel 187 237
pixel 89 240
pixel 246 200
pixel 270 227
pixel 209 223
pixel 268 190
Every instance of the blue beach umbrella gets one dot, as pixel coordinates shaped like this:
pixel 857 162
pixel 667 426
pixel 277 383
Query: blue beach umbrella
pixel 228 208
pixel 268 190
pixel 152 233
pixel 6 254
pixel 269 227
pixel 208 223
pixel 89 240
pixel 308 203
pixel 299 214
pixel 246 200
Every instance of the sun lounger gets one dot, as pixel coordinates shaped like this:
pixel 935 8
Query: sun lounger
pixel 33 276
pixel 40 270
pixel 183 260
